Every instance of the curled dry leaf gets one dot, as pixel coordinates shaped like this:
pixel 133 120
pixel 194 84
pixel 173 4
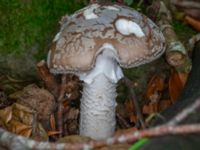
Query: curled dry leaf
pixel 176 83
pixel 19 119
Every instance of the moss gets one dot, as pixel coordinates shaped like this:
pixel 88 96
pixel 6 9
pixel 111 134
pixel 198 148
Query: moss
pixel 183 31
pixel 29 25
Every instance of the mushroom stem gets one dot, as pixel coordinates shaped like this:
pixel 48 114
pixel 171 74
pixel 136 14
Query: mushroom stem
pixel 98 104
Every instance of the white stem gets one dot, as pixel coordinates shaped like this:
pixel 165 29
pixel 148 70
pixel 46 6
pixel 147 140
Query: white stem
pixel 98 104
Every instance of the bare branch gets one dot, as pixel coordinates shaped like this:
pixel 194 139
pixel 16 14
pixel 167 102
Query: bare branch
pixel 185 113
pixel 48 78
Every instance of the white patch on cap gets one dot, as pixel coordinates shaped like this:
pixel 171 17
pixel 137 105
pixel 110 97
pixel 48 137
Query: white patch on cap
pixel 127 27
pixel 56 37
pixel 89 12
pixel 111 8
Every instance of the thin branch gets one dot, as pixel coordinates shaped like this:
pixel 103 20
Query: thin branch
pixel 11 141
pixel 48 78
pixel 60 105
pixel 176 53
pixel 185 113
pixel 122 121
pixel 186 4
pixel 128 83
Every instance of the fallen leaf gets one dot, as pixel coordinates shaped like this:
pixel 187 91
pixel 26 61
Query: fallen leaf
pixel 156 107
pixel 154 88
pixel 6 114
pixel 131 110
pixel 23 113
pixel 176 83
pixel 150 108
pixel 193 22
pixel 133 118
pixel 19 128
pixel 40 100
pixel 19 119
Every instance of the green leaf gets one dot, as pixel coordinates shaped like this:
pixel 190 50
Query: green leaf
pixel 138 144
pixel 128 2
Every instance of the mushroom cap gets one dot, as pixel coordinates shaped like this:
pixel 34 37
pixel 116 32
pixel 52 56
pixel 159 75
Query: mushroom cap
pixel 135 38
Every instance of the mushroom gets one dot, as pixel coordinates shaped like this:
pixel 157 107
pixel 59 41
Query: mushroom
pixel 94 43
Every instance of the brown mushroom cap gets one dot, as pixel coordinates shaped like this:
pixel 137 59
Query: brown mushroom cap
pixel 82 35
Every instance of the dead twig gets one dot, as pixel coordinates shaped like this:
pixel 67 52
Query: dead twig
pixel 128 83
pixel 10 141
pixel 176 53
pixel 60 105
pixel 122 121
pixel 185 113
pixel 186 4
pixel 24 143
pixel 48 78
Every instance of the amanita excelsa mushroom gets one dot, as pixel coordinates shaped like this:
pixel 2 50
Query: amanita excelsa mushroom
pixel 93 43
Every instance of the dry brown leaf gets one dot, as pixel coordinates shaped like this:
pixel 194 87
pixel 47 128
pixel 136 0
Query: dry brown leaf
pixel 20 119
pixel 26 132
pixel 133 118
pixel 131 110
pixel 154 88
pixel 150 108
pixel 164 104
pixel 156 107
pixel 40 100
pixel 176 83
pixel 193 22
pixel 23 113
pixel 183 77
pixel 6 115
pixel 19 128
